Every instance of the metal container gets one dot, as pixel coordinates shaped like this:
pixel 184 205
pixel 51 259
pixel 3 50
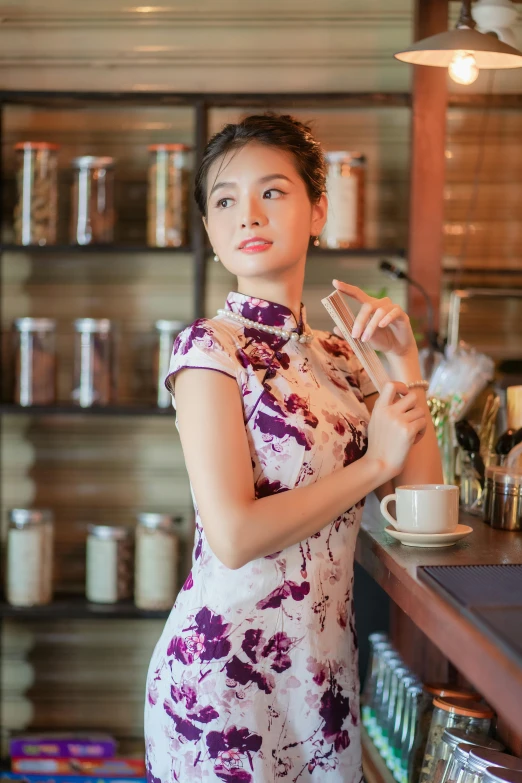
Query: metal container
pixel 502 508
pixel 479 759
pixel 460 744
pixel 92 214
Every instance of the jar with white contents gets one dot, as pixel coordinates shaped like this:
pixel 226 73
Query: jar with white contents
pixel 30 557
pixel 156 568
pixel 109 564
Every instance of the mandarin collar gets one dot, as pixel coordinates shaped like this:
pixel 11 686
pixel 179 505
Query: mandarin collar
pixel 265 312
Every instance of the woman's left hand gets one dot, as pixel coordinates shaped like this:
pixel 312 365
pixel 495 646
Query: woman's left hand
pixel 380 322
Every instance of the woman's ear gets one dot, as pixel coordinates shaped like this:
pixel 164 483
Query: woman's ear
pixel 319 215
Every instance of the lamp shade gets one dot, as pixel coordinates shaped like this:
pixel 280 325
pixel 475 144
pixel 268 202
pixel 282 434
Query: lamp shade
pixel 438 50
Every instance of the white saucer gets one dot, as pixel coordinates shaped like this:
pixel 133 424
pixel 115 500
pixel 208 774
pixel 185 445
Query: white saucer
pixel 431 540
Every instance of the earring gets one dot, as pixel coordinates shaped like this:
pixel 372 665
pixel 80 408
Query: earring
pixel 316 242
pixel 216 257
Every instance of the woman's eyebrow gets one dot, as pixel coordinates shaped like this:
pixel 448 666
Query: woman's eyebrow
pixel 262 181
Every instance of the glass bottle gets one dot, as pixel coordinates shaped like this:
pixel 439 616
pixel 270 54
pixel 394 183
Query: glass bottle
pixel 392 662
pixel 378 642
pixel 400 727
pixel 92 211
pixel 35 212
pixel 168 195
pixel 415 698
pixel 383 657
pixel 388 750
pixel 34 361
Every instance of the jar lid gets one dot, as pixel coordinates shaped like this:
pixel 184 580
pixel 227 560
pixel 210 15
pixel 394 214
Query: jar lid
pixel 501 775
pixel 158 521
pixel 504 477
pixel 92 162
pixel 476 739
pixel 480 758
pixel 461 752
pixel 36 145
pixel 22 517
pixel 378 636
pixel 169 326
pixel 444 689
pixel 343 156
pixel 471 709
pixel 35 324
pixel 92 325
pixel 169 148
pixel 110 532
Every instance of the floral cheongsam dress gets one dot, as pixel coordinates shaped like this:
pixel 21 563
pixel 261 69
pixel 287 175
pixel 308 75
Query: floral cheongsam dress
pixel 254 679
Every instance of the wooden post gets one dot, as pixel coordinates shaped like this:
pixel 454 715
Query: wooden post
pixel 428 132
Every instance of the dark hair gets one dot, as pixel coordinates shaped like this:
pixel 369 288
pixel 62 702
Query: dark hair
pixel 275 130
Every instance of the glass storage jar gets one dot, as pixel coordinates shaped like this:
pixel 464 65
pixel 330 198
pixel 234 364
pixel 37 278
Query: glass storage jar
pixel 92 211
pixel 500 775
pixel 35 212
pixel 93 362
pixel 345 186
pixel 168 195
pixel 167 333
pixel 460 743
pixel 450 713
pixel 109 564
pixel 30 557
pixel 479 759
pixel 34 361
pixel 156 569
pixel 432 690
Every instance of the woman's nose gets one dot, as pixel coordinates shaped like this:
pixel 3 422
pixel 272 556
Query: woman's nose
pixel 253 214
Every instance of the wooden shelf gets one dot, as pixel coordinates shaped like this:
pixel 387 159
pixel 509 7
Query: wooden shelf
pixel 64 409
pixel 374 767
pixel 78 608
pixel 493 670
pixel 47 250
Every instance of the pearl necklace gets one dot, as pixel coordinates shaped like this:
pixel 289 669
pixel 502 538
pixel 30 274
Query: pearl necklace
pixel 284 333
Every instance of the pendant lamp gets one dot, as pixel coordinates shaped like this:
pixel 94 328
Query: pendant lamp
pixel 464 51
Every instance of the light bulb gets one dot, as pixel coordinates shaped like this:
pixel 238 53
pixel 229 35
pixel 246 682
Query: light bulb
pixel 463 68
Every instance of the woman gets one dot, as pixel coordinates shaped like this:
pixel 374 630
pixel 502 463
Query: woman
pixel 255 675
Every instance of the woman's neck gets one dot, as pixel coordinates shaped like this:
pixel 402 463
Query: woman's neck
pixel 287 292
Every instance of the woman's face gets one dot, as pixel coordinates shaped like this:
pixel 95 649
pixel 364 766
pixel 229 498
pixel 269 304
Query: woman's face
pixel 259 215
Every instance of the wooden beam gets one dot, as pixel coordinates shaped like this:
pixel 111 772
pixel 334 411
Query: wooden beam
pixel 428 132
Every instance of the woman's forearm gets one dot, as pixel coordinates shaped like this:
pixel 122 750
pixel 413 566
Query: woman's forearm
pixel 423 465
pixel 267 525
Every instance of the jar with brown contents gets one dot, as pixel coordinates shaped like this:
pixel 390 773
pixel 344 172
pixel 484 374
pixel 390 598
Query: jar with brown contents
pixel 345 186
pixel 168 195
pixel 93 362
pixel 35 211
pixel 34 361
pixel 92 215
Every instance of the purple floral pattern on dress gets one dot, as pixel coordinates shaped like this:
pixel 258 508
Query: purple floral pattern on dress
pixel 254 679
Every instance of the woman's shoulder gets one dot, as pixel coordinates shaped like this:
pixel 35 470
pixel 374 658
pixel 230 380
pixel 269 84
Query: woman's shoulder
pixel 207 334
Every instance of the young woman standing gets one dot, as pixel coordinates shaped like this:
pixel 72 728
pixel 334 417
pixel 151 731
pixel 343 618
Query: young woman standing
pixel 255 675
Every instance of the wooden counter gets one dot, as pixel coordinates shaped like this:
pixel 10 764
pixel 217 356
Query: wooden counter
pixel 394 567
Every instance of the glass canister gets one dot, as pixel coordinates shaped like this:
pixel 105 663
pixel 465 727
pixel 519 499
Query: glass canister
pixel 479 759
pixel 93 362
pixel 30 557
pixel 450 713
pixel 345 186
pixel 34 361
pixel 168 195
pixel 167 333
pixel 35 212
pixel 432 690
pixel 109 564
pixel 460 743
pixel 156 570
pixel 92 211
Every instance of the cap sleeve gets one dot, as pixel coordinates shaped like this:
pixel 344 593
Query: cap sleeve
pixel 203 346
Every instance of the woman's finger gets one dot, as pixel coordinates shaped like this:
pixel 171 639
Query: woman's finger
pixel 361 320
pixel 414 414
pixel 407 402
pixel 350 290
pixel 392 315
pixel 373 323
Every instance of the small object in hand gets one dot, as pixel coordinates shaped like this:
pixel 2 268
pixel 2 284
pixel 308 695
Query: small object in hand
pixel 505 443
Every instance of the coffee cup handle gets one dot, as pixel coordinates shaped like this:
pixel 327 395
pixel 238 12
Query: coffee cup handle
pixel 384 509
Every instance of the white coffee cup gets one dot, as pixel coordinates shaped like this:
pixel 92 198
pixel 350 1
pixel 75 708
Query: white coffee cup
pixel 424 508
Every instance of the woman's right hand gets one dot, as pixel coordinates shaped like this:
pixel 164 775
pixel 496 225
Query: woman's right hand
pixel 396 423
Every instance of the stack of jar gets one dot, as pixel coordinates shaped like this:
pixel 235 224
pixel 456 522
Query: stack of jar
pixel 113 574
pixel 35 361
pixel 417 727
pixel 92 197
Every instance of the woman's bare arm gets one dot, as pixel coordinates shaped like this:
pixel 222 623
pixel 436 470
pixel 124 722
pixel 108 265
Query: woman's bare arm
pixel 241 528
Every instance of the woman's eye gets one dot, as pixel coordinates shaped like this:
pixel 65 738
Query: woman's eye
pixel 222 203
pixel 273 193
